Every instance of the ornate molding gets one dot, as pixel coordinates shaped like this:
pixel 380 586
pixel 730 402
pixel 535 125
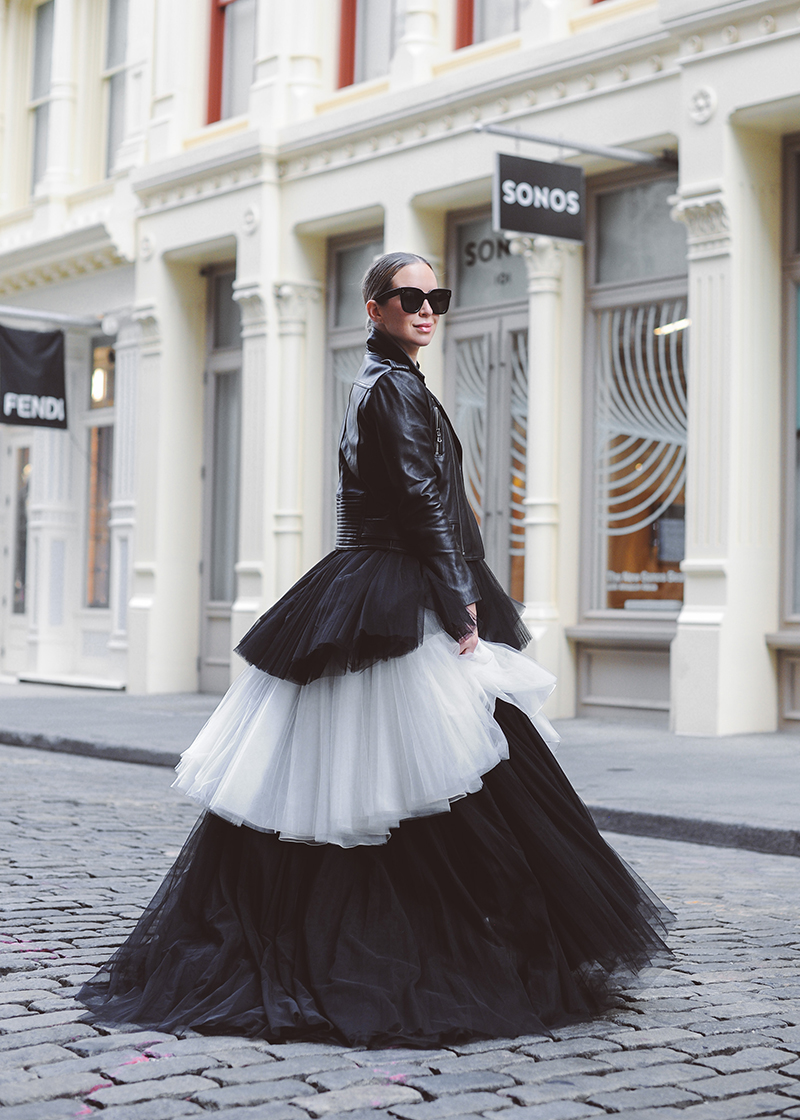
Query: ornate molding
pixel 544 260
pixel 68 268
pixel 149 332
pixel 708 228
pixel 292 301
pixel 249 295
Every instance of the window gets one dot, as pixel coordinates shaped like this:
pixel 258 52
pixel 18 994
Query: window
pixel 487 388
pixel 101 455
pixel 478 20
pixel 369 33
pixel 639 359
pixel 231 57
pixel 791 264
pixel 23 476
pixel 348 260
pixel 40 89
pixel 225 439
pixel 114 79
pixel 347 319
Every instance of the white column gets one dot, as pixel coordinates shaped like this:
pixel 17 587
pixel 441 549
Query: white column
pixel 253 460
pixel 418 46
pixel 292 303
pixel 723 678
pixel 544 260
pixel 144 568
pixel 123 503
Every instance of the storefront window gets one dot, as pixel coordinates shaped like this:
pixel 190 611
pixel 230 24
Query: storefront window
pixel 98 560
pixel 486 270
pixel 23 475
pixel 101 390
pixel 640 370
pixel 641 442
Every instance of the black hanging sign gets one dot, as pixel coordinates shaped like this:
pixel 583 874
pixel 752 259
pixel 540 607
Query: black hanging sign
pixel 529 196
pixel 32 384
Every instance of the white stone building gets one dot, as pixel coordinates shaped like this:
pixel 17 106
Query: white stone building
pixel 198 186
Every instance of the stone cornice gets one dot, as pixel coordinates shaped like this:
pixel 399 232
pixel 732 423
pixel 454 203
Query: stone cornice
pixel 242 154
pixel 51 261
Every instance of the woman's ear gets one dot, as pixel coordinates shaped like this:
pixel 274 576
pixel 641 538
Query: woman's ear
pixel 374 311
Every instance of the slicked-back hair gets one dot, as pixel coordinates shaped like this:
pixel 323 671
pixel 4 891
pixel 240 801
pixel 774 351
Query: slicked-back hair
pixel 380 274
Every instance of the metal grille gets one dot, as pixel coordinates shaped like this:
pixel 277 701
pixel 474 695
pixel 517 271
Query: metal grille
pixel 518 358
pixel 472 375
pixel 641 414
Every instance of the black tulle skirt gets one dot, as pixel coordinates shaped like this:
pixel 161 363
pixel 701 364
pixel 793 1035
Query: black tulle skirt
pixel 507 915
pixel 357 607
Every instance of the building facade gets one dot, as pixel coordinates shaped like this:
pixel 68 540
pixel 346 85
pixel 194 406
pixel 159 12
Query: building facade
pixel 198 189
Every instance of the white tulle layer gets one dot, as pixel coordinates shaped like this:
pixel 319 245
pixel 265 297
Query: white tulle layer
pixel 343 759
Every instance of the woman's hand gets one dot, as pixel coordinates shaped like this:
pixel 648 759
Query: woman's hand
pixel 469 643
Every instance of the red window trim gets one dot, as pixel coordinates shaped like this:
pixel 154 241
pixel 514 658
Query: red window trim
pixel 465 28
pixel 216 45
pixel 347 43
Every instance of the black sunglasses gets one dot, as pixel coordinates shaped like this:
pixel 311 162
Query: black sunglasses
pixel 412 299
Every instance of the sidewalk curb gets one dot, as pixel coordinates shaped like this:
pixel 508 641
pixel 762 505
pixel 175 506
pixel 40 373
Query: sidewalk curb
pixel 715 834
pixel 117 752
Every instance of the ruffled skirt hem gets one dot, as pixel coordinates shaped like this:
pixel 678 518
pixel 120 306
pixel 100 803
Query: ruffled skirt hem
pixel 507 915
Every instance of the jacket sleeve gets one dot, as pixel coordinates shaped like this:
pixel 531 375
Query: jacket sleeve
pixel 396 421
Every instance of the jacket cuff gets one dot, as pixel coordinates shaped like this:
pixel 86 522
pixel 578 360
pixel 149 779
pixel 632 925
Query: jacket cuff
pixel 452 569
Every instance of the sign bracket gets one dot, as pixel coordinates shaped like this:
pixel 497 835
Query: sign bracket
pixel 624 155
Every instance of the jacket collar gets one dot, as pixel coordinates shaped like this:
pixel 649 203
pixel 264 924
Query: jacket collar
pixel 380 343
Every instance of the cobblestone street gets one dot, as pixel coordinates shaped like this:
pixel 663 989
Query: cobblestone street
pixel 86 841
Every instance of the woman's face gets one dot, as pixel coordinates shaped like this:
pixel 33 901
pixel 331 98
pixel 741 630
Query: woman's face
pixel 409 330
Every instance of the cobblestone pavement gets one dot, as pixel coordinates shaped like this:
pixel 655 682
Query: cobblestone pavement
pixel 716 1036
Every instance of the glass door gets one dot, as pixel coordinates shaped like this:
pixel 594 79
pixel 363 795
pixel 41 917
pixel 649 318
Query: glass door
pixel 15 563
pixel 487 398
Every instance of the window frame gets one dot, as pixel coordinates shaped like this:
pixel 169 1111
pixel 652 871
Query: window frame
pixel 34 104
pixel 103 417
pixel 216 60
pixel 790 269
pixel 598 297
pixel 465 23
pixel 349 42
pixel 107 74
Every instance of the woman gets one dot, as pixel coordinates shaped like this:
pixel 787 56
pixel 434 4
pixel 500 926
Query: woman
pixel 390 854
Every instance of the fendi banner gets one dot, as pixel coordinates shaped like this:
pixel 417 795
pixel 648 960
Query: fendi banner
pixel 32 383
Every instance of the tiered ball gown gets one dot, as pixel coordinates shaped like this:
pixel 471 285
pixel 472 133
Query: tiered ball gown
pixel 389 852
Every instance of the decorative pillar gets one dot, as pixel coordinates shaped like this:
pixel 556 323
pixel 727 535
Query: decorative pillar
pixel 123 503
pixel 723 680
pixel 417 48
pixel 253 463
pixel 292 303
pixel 695 656
pixel 144 569
pixel 544 260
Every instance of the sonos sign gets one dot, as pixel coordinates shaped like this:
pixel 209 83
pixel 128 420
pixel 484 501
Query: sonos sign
pixel 529 196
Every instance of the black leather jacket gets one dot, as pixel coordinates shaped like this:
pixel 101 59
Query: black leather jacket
pixel 400 479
